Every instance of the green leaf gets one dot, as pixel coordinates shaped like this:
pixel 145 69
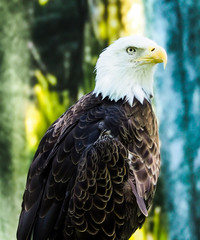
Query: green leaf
pixel 41 79
pixel 51 79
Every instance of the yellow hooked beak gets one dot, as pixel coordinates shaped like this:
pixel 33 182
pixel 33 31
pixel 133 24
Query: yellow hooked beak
pixel 156 54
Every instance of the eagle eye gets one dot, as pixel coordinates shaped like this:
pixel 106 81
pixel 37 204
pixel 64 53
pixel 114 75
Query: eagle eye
pixel 131 50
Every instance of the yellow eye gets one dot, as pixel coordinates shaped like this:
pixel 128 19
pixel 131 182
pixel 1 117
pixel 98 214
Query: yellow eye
pixel 131 50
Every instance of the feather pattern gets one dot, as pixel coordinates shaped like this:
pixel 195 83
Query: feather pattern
pixel 94 174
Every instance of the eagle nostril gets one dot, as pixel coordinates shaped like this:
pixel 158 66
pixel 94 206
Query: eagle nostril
pixel 152 49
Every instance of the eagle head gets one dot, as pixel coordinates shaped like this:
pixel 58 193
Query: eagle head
pixel 126 68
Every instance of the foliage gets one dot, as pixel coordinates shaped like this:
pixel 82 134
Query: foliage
pixel 47 107
pixel 154 227
pixel 43 2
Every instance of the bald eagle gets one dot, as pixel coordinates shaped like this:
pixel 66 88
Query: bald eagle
pixel 95 171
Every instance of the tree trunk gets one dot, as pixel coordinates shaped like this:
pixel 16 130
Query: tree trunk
pixel 175 25
pixel 14 79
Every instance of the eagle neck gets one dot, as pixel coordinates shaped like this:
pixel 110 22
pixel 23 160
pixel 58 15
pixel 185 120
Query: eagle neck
pixel 125 83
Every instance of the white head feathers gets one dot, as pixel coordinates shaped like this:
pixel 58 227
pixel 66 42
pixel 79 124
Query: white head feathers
pixel 125 69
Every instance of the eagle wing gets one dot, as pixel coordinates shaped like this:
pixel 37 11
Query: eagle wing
pixel 144 152
pixel 38 177
pixel 64 171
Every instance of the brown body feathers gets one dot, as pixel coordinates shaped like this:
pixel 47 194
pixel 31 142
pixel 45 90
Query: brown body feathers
pixel 94 173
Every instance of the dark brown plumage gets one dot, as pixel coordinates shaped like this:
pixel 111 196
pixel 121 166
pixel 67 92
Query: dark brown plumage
pixel 94 173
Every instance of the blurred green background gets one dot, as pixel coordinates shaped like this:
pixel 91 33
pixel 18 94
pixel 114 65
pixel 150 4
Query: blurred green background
pixel 48 50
